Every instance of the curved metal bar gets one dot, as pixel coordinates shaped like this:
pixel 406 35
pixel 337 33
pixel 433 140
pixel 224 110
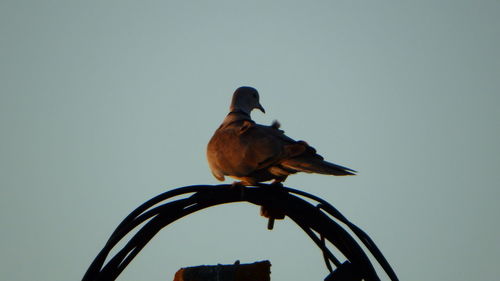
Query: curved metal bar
pixel 160 211
pixel 367 241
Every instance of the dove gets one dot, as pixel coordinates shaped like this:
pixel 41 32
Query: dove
pixel 254 153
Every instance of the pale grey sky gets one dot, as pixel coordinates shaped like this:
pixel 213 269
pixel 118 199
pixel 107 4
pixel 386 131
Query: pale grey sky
pixel 104 104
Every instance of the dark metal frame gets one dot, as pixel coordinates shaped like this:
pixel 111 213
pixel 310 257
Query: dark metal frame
pixel 319 221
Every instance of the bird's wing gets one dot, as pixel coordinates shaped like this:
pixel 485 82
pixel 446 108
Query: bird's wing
pixel 272 147
pixel 268 145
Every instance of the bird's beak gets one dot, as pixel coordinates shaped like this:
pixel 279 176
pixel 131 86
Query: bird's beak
pixel 259 106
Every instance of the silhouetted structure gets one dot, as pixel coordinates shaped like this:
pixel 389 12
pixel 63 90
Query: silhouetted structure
pixel 319 222
pixel 257 271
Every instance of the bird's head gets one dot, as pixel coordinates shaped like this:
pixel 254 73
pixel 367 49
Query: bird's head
pixel 246 99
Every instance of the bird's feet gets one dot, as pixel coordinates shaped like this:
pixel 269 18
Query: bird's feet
pixel 277 183
pixel 245 181
pixel 238 184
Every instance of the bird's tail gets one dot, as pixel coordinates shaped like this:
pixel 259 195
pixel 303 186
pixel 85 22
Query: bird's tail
pixel 316 165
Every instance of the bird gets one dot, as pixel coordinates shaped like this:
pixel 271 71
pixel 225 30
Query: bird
pixel 253 153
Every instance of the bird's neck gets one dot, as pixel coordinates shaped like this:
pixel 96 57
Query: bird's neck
pixel 238 108
pixel 236 115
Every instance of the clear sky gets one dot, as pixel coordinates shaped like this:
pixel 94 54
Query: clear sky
pixel 104 104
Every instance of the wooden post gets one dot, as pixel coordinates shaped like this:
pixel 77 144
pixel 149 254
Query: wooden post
pixel 257 271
